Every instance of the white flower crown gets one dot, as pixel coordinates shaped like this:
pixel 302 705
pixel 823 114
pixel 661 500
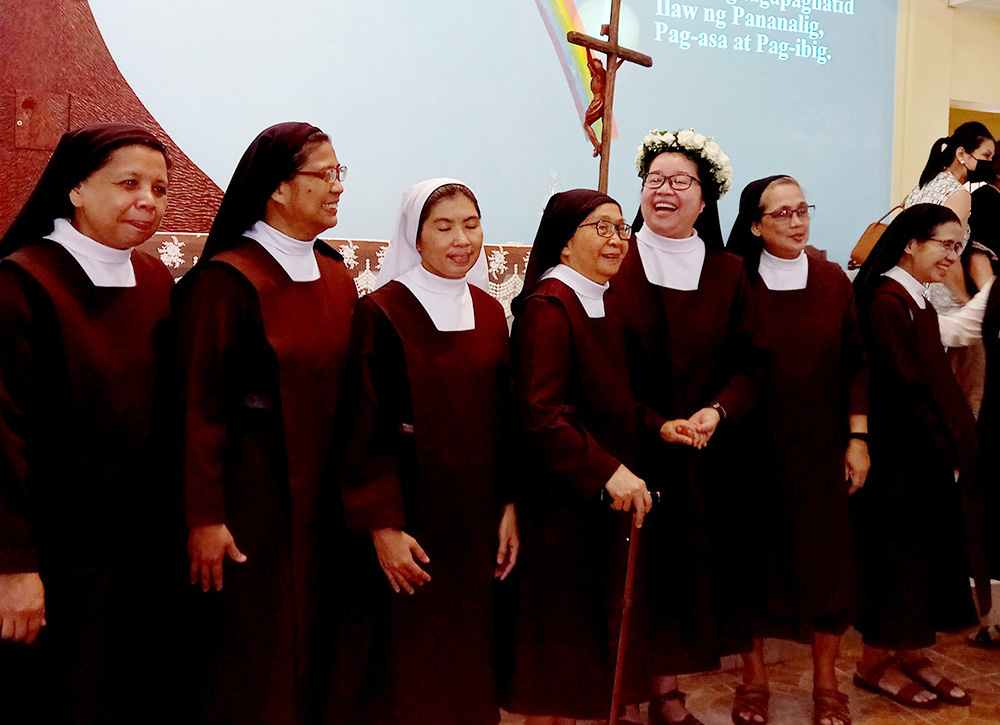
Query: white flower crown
pixel 692 144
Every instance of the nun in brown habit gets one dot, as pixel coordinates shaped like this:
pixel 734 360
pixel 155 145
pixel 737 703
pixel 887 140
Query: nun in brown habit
pixel 806 444
pixel 84 510
pixel 919 527
pixel 582 429
pixel 430 388
pixel 264 323
pixel 689 348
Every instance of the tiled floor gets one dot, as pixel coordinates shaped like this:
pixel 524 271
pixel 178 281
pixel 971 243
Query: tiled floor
pixel 710 696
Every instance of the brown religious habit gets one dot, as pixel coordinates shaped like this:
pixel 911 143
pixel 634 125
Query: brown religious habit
pixel 920 533
pixel 616 55
pixel 812 376
pixel 686 349
pixel 425 456
pixel 263 358
pixel 84 500
pixel 581 423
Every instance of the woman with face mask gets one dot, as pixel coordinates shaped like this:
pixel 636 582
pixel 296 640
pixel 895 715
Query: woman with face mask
pixel 429 409
pixel 691 359
pixel 984 221
pixel 919 519
pixel 264 323
pixel 83 507
pixel 807 444
pixel 965 156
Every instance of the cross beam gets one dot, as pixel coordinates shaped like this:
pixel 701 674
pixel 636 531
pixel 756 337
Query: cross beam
pixel 616 55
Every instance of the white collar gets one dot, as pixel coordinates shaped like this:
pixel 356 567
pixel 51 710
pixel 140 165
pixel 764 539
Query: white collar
pixel 448 302
pixel 783 274
pixel 910 284
pixel 295 256
pixel 590 294
pixel 104 265
pixel 672 263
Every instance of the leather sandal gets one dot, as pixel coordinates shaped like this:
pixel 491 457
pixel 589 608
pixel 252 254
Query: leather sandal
pixel 830 704
pixel 869 681
pixel 750 702
pixel 656 717
pixel 942 689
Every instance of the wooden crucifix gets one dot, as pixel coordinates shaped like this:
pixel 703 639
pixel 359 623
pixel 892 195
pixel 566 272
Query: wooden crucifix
pixel 616 55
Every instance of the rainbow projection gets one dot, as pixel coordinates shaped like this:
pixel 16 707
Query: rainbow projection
pixel 560 16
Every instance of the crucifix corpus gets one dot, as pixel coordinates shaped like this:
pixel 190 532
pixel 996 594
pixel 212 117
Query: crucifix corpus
pixel 602 83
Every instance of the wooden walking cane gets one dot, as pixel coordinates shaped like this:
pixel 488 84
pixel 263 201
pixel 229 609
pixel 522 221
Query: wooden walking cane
pixel 616 693
pixel 633 550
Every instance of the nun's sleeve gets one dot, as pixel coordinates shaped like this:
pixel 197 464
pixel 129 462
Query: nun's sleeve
pixel 541 350
pixel 738 395
pixel 373 398
pixel 855 355
pixel 894 341
pixel 20 398
pixel 212 317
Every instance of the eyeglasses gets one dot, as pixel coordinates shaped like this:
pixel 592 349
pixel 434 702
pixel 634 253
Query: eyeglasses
pixel 784 216
pixel 948 245
pixel 607 229
pixel 338 173
pixel 678 182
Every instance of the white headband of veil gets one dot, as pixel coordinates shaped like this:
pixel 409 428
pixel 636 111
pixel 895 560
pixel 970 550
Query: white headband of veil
pixel 401 255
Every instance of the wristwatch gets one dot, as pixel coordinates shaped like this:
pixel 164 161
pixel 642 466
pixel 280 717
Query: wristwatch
pixel 717 407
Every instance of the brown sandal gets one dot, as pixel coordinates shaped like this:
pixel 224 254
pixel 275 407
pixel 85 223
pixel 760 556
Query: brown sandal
pixel 750 702
pixel 942 689
pixel 830 705
pixel 869 681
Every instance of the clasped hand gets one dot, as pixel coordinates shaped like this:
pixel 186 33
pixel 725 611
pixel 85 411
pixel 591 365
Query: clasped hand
pixel 696 431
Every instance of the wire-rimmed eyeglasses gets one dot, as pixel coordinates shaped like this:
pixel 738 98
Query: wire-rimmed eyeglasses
pixel 337 173
pixel 949 245
pixel 784 216
pixel 607 229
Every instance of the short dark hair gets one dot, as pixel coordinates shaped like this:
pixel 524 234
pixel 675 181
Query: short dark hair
pixel 969 136
pixel 99 162
pixel 779 180
pixel 312 141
